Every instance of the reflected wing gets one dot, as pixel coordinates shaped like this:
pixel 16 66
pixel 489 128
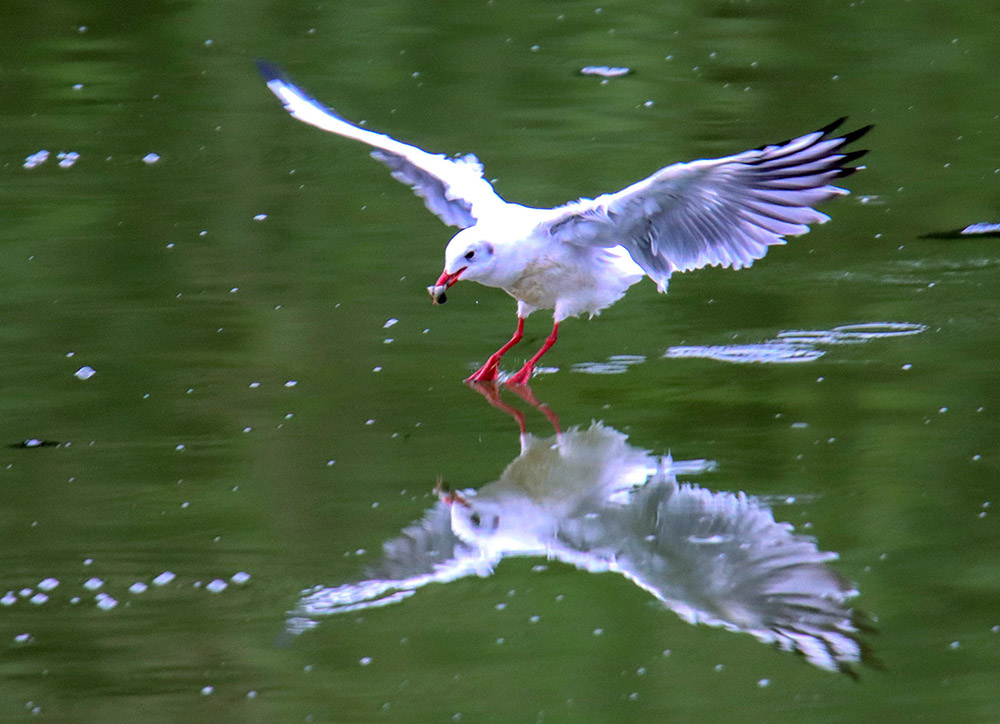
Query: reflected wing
pixel 721 559
pixel 723 212
pixel 454 189
pixel 425 552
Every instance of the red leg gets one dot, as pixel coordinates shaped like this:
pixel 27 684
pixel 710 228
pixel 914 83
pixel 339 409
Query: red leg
pixel 488 372
pixel 522 376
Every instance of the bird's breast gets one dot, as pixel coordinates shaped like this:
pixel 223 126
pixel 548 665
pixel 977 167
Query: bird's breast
pixel 571 284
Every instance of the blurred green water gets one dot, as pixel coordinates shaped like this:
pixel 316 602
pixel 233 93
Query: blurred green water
pixel 106 260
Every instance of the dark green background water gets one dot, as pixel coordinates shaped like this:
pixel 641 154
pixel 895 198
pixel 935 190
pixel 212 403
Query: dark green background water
pixel 159 278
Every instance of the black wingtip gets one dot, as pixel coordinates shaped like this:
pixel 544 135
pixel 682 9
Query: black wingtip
pixel 269 70
pixel 855 135
pixel 830 128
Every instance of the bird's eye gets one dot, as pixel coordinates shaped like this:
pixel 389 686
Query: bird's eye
pixel 470 253
pixel 475 519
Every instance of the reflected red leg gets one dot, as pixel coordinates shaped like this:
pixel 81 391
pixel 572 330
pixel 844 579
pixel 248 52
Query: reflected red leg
pixel 488 372
pixel 524 374
pixel 490 391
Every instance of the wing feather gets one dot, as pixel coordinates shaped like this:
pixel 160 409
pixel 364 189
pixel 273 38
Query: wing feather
pixel 718 212
pixel 453 189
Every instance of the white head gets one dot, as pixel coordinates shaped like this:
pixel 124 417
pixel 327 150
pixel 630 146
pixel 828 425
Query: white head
pixel 468 256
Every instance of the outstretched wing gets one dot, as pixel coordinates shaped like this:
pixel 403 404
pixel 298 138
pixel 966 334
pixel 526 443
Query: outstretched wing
pixel 723 212
pixel 453 189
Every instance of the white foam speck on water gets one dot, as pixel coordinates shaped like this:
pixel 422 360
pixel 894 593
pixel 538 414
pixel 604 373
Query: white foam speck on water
pixel 48 584
pixel 85 373
pixel 138 587
pixel 217 586
pixel 150 158
pixel 164 578
pixel 105 602
pixel 240 578
pixel 92 584
pixel 36 159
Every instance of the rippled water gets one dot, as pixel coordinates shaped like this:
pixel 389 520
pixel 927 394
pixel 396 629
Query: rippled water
pixel 234 424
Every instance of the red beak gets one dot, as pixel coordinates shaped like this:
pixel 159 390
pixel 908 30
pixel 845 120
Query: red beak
pixel 447 279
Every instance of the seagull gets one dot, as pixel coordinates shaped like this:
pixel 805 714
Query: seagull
pixel 581 257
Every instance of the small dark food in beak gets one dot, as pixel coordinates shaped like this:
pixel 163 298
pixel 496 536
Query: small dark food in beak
pixel 437 293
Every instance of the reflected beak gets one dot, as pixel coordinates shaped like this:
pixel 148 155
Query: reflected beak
pixel 447 495
pixel 437 291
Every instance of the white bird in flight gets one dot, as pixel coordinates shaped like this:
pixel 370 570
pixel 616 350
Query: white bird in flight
pixel 581 257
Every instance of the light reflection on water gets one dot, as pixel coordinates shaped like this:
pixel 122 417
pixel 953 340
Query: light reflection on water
pixel 798 345
pixel 586 497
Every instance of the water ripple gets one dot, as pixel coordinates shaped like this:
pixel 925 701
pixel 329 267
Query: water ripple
pixel 798 345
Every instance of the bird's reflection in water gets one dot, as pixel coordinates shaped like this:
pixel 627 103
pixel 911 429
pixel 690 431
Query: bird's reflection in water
pixel 585 497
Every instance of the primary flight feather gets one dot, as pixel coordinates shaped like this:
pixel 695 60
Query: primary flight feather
pixel 583 256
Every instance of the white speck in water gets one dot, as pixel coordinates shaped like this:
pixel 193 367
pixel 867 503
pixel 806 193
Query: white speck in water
pixel 389 322
pixel 179 448
pixel 217 586
pixel 206 690
pixel 251 694
pixel 535 48
pixel 186 504
pixel 260 217
pixel 943 410
pixel 88 561
pixel 954 645
pixel 92 584
pixel 85 373
pixel 365 660
pixel 209 41
pixel 907 367
pixel 289 415
pixel 634 696
pixel 598 631
pixel 800 425
pixel 647 104
pixel 377 369
pixel 164 578
pixel 254 385
pixel 534 619
pixel 150 158
pixel 240 578
pixel 291 383
pixel 36 159
pixel 23 638
pixel 48 584
pixel 330 463
pixel 719 667
pixel 501 641
pixel 641 671
pixel 500 606
pixel 370 422
pixel 69 158
pixel 38 599
pixel 9 599
pixel 763 683
pixel 105 602
pixel 247 429
pixel 138 587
